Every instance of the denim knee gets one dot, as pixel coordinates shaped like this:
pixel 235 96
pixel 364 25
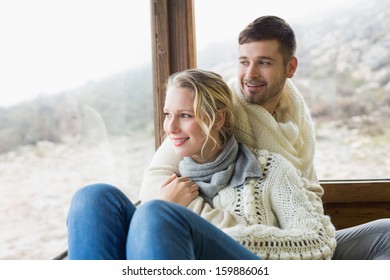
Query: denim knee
pixel 155 212
pixel 153 208
pixel 383 224
pixel 92 192
pixel 96 195
pixel 377 226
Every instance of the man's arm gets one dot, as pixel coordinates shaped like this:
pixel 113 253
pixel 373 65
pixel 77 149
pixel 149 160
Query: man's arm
pixel 164 164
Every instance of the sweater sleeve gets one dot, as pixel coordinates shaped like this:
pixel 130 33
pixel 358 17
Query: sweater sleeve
pixel 218 217
pixel 302 232
pixel 165 162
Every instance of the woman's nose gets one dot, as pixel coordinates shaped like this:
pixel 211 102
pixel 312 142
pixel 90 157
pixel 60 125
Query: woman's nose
pixel 172 126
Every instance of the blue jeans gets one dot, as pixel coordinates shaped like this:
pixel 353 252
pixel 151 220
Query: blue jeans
pixel 104 224
pixel 369 241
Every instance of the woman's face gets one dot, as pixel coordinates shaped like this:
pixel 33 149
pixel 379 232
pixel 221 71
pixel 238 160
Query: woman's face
pixel 182 128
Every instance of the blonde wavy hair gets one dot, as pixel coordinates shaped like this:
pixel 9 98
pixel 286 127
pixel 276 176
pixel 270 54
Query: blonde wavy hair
pixel 211 95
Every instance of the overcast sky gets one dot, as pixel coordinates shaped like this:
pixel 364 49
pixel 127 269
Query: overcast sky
pixel 51 45
pixel 229 19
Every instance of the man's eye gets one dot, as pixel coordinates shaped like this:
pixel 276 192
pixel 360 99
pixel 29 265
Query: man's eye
pixel 265 62
pixel 167 115
pixel 245 63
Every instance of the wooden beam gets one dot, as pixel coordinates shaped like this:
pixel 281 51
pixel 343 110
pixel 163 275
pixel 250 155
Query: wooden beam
pixel 344 215
pixel 351 203
pixel 173 49
pixel 356 191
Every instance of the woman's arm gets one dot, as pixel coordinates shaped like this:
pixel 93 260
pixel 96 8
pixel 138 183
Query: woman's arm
pixel 219 218
pixel 164 164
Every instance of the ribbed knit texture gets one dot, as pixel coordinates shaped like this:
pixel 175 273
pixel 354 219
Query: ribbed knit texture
pixel 275 217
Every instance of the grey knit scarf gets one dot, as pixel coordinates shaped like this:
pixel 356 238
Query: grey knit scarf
pixel 232 167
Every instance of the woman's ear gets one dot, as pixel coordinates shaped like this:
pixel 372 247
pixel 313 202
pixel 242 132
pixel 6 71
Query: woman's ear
pixel 220 119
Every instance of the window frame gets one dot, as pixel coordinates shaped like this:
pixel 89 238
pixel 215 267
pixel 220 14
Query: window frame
pixel 173 49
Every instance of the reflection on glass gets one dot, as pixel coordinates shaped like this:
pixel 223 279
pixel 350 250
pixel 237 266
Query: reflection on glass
pixel 77 110
pixel 343 50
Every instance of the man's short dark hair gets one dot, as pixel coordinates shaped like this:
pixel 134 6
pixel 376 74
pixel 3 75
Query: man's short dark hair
pixel 270 28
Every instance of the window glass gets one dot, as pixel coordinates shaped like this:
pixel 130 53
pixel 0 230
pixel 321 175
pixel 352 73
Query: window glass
pixel 343 49
pixel 75 109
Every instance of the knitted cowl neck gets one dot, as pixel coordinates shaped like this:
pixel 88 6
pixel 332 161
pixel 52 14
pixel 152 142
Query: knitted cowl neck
pixel 290 132
pixel 232 167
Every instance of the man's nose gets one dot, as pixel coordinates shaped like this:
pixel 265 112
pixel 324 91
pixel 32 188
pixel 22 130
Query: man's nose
pixel 252 71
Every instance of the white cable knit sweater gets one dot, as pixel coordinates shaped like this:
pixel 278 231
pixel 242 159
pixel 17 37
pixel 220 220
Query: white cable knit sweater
pixel 275 216
pixel 290 133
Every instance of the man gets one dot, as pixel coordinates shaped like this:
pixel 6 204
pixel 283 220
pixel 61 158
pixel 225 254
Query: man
pixel 271 114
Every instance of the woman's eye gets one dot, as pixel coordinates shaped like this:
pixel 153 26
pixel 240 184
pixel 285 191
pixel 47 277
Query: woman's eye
pixel 186 116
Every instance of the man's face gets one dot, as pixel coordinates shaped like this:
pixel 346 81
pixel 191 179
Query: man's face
pixel 262 72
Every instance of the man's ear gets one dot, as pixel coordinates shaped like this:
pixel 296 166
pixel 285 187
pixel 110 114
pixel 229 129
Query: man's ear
pixel 220 119
pixel 292 67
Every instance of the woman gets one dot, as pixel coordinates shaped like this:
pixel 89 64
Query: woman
pixel 229 203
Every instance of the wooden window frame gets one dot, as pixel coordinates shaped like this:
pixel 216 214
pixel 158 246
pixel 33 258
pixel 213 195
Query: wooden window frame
pixel 355 202
pixel 174 49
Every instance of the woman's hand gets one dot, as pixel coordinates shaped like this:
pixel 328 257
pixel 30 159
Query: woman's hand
pixel 179 190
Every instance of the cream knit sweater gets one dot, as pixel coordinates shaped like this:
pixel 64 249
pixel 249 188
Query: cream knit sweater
pixel 290 133
pixel 275 216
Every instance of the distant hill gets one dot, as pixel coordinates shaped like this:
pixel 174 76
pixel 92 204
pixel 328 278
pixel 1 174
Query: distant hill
pixel 343 73
pixel 351 47
pixel 119 105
